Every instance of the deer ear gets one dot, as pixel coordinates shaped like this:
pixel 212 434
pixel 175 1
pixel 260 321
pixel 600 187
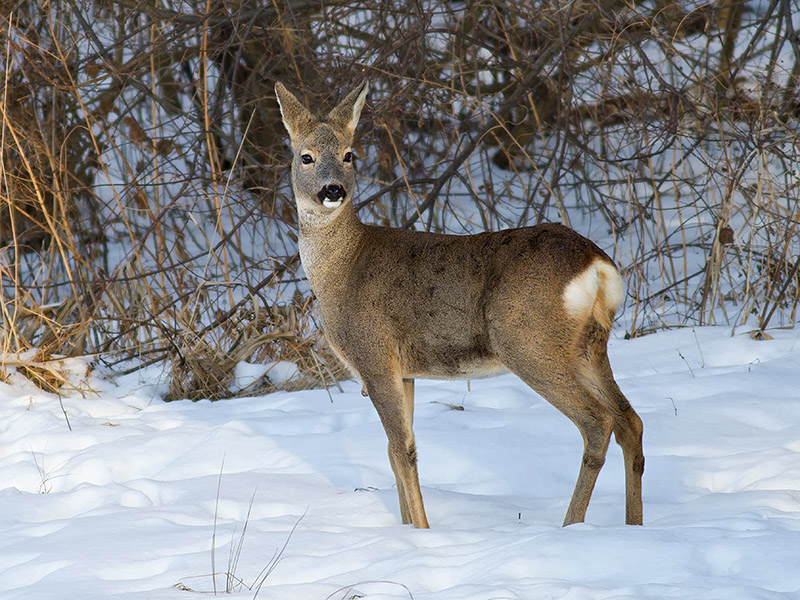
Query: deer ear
pixel 346 114
pixel 296 117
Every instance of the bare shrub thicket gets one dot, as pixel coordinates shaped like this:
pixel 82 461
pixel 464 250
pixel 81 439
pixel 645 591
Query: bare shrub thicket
pixel 144 202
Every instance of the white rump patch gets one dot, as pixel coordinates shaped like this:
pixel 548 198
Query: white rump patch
pixel 582 292
pixel 614 286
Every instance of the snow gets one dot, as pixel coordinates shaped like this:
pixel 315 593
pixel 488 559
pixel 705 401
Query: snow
pixel 296 491
pixel 249 375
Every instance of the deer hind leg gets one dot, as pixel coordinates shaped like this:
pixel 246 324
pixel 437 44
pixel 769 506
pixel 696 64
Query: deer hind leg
pixel 595 427
pixel 394 401
pixel 628 431
pixel 628 434
pixel 595 372
pixel 595 423
pixel 553 375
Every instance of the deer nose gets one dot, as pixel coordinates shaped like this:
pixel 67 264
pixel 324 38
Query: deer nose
pixel 332 193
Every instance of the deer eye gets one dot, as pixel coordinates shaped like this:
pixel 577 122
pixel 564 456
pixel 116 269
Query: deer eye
pixel 348 157
pixel 307 159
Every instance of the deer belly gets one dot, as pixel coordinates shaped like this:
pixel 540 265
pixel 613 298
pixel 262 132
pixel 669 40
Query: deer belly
pixel 451 363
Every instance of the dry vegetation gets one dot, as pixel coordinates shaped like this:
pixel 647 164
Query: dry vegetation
pixel 144 204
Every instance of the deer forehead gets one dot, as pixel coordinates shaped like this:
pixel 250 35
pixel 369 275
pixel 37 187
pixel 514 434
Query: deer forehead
pixel 324 139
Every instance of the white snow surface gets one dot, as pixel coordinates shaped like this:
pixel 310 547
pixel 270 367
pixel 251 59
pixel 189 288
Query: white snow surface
pixel 128 503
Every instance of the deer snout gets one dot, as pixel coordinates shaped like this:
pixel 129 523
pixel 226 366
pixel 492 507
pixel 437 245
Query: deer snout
pixel 331 194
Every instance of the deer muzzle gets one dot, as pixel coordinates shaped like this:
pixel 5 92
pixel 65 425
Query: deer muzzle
pixel 331 195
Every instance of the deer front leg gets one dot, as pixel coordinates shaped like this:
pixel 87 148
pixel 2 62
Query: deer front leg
pixel 408 397
pixel 393 398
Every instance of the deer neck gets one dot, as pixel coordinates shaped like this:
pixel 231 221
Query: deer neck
pixel 328 246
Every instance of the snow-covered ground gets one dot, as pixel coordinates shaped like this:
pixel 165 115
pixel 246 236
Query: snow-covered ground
pixel 128 503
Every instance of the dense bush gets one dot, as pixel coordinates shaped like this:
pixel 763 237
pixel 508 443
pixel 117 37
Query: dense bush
pixel 144 202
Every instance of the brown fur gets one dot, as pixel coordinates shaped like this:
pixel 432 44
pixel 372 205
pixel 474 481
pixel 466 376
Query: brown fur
pixel 402 304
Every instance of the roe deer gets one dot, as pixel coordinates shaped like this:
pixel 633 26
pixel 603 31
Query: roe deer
pixel 536 301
